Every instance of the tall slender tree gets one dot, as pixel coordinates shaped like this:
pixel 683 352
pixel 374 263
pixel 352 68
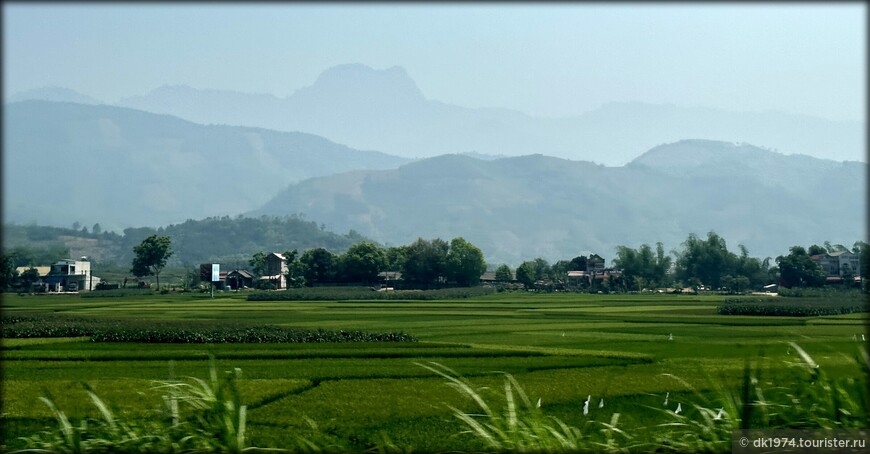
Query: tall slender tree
pixel 151 256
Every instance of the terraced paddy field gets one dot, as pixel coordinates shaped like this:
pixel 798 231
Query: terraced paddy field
pixel 631 354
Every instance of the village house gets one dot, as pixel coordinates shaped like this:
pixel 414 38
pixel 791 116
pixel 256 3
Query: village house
pixel 836 265
pixel 239 279
pixel 71 276
pixel 275 270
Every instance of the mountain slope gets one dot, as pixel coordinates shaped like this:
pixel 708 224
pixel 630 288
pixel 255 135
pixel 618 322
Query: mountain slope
pixel 520 208
pixel 57 94
pixel 385 110
pixel 122 167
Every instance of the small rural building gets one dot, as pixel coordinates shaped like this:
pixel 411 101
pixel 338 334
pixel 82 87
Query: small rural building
pixel 275 270
pixel 71 275
pixel 838 264
pixel 239 279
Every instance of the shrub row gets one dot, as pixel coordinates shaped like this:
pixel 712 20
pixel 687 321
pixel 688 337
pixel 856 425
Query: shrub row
pixel 822 292
pixel 117 293
pixel 790 308
pixel 365 293
pixel 180 332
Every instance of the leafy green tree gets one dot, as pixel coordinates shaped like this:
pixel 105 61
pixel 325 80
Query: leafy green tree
pixel 542 269
pixel 797 269
pixel 559 270
pixel 464 262
pixel 862 250
pixel 320 266
pixel 503 274
pixel 578 264
pixel 834 247
pixel 817 250
pixel 643 268
pixel 28 277
pixel 753 271
pixel 258 263
pixel 425 261
pixel 363 261
pixel 7 271
pixel 526 274
pixel 295 269
pixel 396 257
pixel 151 256
pixel 705 260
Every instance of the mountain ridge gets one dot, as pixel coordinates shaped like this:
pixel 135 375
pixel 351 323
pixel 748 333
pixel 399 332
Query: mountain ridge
pixel 355 104
pixel 519 208
pixel 81 162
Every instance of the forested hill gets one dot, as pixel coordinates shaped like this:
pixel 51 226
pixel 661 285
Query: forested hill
pixel 220 239
pixel 519 208
pixel 65 162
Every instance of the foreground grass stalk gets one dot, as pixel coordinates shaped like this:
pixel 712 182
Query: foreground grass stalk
pixel 520 427
pixel 216 423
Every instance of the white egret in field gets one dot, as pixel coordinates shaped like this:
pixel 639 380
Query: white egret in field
pixel 563 334
pixel 586 405
pixel 539 403
pixel 667 394
pixel 862 338
pixel 601 403
pixel 671 336
pixel 679 409
pixel 719 415
pixel 854 337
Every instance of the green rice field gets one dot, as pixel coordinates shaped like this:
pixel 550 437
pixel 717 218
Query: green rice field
pixel 630 353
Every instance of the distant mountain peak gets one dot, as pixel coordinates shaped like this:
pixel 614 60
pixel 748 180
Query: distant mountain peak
pixel 357 78
pixel 53 93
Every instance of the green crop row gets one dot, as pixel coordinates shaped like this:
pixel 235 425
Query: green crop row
pixel 365 293
pixel 790 308
pixel 183 332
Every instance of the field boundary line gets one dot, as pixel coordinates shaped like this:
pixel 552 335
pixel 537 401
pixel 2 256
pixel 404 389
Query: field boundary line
pixel 557 351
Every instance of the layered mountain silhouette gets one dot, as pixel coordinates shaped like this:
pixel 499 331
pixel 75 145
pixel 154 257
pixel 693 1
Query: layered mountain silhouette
pixel 67 162
pixel 524 207
pixel 385 110
pixel 122 167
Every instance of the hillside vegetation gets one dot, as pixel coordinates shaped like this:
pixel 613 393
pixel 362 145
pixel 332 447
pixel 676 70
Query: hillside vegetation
pixel 519 208
pixel 223 239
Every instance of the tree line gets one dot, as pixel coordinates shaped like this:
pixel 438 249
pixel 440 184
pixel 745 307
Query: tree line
pixel 701 262
pixel 422 264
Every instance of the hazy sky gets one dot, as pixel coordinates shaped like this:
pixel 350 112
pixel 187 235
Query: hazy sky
pixel 552 59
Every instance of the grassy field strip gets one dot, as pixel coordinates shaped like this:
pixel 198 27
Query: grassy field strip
pixel 597 336
pixel 620 309
pixel 562 351
pixel 306 368
pixel 706 319
pixel 18 343
pixel 129 396
pixel 194 354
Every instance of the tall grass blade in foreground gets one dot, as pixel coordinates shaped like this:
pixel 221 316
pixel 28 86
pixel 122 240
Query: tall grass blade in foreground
pixel 520 426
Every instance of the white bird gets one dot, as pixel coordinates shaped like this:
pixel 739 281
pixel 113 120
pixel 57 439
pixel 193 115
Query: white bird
pixel 601 403
pixel 719 415
pixel 539 403
pixel 563 334
pixel 679 409
pixel 854 337
pixel 671 336
pixel 586 405
pixel 667 394
pixel 862 338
